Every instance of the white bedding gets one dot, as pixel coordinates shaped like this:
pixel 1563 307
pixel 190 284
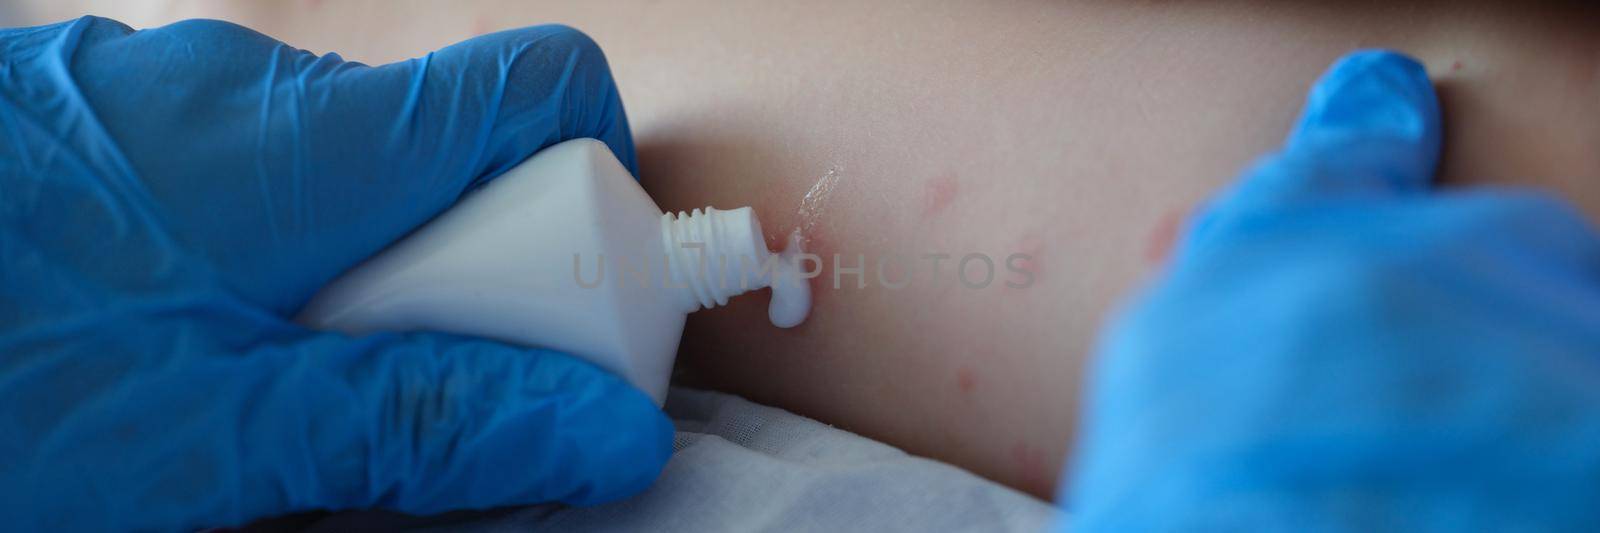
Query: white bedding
pixel 740 466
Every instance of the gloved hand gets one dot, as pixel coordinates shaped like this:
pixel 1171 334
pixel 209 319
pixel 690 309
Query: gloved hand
pixel 168 197
pixel 1338 346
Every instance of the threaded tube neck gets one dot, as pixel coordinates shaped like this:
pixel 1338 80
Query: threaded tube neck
pixel 714 254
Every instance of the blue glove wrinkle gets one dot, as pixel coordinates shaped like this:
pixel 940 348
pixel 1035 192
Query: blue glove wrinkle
pixel 338 158
pixel 169 196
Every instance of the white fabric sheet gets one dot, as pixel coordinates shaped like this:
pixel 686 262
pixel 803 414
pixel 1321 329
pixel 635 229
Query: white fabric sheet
pixel 740 466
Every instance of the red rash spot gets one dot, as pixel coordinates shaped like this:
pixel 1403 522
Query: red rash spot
pixel 939 193
pixel 1031 246
pixel 1455 66
pixel 966 380
pixel 1159 243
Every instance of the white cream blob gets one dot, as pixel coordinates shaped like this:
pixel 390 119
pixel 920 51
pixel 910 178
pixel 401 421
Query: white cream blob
pixel 791 291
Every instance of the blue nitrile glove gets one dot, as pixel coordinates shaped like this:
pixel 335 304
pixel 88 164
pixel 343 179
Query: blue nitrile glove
pixel 1338 346
pixel 168 197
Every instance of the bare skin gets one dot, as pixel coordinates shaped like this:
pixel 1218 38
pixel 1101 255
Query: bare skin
pixel 1075 133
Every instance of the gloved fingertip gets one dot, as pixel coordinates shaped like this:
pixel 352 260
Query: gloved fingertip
pixel 451 422
pixel 1379 105
pixel 622 438
pixel 624 463
pixel 585 434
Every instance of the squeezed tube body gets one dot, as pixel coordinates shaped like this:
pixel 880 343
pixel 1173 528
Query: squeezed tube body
pixel 564 252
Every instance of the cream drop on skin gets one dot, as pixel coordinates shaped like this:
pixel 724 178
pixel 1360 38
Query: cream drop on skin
pixel 566 252
pixel 791 293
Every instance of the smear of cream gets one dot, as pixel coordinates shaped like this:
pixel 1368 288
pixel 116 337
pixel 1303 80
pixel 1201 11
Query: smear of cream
pixel 812 205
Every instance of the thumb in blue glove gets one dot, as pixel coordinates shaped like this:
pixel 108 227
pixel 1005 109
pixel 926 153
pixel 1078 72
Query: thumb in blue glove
pixel 1337 346
pixel 168 197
